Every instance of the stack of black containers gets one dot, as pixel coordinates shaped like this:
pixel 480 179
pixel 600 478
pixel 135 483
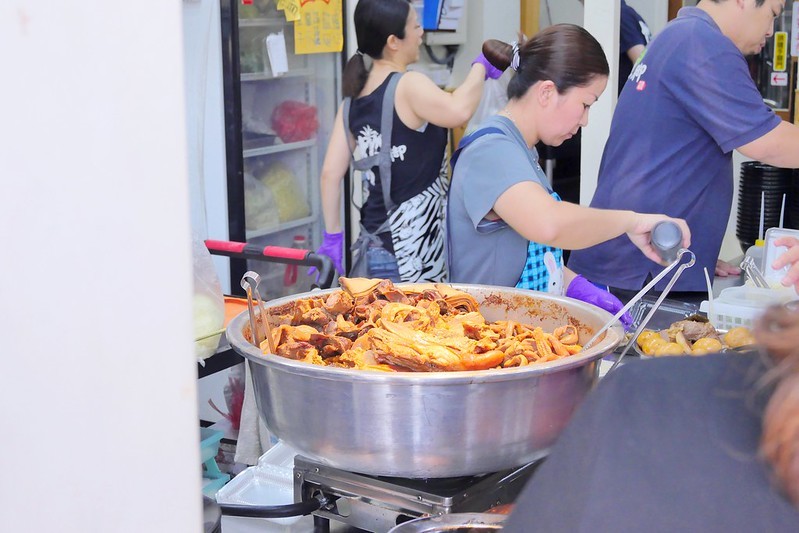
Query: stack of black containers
pixel 771 184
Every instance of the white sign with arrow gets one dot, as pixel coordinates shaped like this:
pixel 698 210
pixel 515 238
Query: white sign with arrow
pixel 779 79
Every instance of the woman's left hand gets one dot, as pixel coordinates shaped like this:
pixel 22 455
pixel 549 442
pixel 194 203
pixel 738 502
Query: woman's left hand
pixel 583 290
pixel 492 72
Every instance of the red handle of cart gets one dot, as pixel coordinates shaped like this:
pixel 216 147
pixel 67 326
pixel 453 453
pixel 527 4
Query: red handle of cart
pixel 277 254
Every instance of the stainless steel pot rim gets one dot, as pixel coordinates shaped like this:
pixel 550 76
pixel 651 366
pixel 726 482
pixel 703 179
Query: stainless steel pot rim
pixel 235 336
pixel 451 520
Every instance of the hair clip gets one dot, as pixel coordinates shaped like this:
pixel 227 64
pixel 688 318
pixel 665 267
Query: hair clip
pixel 514 62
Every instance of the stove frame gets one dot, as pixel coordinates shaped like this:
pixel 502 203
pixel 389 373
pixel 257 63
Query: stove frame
pixel 375 503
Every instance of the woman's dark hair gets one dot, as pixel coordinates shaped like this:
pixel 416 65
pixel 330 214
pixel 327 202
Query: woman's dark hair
pixel 375 21
pixel 566 54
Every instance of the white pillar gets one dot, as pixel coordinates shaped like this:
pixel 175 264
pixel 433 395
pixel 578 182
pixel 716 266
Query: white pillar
pixel 654 12
pixel 98 379
pixel 601 18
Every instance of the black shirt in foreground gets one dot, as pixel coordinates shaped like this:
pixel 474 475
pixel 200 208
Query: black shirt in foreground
pixel 665 445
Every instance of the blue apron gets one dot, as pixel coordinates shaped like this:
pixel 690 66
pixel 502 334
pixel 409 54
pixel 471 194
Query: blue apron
pixel 543 269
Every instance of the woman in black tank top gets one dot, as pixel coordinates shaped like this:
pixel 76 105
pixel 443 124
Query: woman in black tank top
pixel 393 127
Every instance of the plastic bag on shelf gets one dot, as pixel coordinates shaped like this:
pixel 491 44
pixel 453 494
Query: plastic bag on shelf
pixel 294 121
pixel 234 397
pixel 495 97
pixel 260 209
pixel 208 304
pixel 287 194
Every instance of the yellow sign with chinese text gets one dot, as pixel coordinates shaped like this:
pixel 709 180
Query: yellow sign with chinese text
pixel 780 51
pixel 319 27
pixel 291 9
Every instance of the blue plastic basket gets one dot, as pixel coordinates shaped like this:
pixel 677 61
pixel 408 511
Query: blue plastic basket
pixel 209 447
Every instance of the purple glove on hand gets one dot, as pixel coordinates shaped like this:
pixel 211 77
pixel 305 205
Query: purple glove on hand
pixel 333 247
pixel 492 72
pixel 582 289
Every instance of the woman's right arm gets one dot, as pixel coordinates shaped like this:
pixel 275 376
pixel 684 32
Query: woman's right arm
pixel 419 100
pixel 334 168
pixel 538 217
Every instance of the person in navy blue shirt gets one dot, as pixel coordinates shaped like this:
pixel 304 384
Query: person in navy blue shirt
pixel 634 35
pixel 689 102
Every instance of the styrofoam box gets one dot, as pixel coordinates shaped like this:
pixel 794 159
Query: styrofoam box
pixel 270 482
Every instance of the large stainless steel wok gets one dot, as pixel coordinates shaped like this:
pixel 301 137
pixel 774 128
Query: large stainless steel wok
pixel 430 425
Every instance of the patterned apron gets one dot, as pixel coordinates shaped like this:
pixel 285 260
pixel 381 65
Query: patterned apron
pixel 416 225
pixel 543 269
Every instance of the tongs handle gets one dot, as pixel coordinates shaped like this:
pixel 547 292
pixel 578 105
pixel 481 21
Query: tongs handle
pixel 754 273
pixel 660 299
pixel 641 293
pixel 249 282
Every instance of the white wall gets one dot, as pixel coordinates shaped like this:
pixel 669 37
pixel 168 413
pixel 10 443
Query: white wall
pixel 602 21
pixel 654 12
pixel 560 11
pixel 98 382
pixel 487 19
pixel 205 125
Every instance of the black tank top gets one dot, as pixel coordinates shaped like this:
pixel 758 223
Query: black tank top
pixel 417 156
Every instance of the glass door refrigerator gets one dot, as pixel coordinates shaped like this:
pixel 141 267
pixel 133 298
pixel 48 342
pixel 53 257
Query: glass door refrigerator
pixel 277 125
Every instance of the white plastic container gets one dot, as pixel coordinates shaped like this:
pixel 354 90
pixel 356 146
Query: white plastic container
pixel 741 306
pixel 772 251
pixel 270 482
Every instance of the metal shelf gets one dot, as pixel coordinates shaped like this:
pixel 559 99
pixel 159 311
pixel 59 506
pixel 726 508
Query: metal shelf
pixel 263 23
pixel 251 234
pixel 278 148
pixel 260 76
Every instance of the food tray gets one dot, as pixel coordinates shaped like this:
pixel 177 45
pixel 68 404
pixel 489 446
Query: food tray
pixel 642 355
pixel 721 333
pixel 670 311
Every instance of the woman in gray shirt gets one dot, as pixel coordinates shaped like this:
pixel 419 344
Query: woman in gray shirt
pixel 505 225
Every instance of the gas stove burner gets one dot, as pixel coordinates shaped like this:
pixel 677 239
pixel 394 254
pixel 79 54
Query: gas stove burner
pixel 378 503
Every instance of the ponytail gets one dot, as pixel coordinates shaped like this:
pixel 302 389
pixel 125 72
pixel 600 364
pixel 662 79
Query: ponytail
pixel 354 77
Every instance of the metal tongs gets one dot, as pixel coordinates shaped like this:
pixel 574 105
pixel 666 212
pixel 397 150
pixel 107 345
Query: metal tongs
pixel 640 295
pixel 249 282
pixel 754 273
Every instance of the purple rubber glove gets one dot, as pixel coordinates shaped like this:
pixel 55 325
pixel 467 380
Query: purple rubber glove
pixel 333 247
pixel 582 289
pixel 492 72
